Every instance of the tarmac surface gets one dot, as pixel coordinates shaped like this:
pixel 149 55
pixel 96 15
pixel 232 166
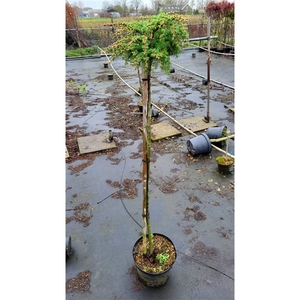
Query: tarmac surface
pixel 190 202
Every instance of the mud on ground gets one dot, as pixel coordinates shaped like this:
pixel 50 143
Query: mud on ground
pixel 193 203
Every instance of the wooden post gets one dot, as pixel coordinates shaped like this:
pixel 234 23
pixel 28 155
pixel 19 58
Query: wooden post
pixel 146 96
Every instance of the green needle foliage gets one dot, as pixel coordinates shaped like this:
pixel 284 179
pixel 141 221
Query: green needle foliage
pixel 149 43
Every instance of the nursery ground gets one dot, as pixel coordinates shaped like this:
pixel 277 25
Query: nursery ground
pixel 190 201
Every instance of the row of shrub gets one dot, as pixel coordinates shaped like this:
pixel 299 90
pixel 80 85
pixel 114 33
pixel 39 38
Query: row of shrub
pixel 83 51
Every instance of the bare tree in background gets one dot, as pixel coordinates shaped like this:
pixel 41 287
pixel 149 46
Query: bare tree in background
pixel 202 3
pixel 154 4
pixel 79 5
pixel 106 4
pixel 124 7
pixel 192 4
pixel 136 4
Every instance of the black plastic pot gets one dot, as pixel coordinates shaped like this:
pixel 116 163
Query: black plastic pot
pixel 225 168
pixel 140 105
pixel 226 49
pixel 152 279
pixel 154 112
pixel 219 50
pixel 68 247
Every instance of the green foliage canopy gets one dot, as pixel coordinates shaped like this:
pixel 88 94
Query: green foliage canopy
pixel 151 41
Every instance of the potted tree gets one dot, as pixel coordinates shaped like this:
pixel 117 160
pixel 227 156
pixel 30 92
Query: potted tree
pixel 148 43
pixel 225 162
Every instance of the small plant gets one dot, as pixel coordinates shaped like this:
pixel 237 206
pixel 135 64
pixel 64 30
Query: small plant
pixel 71 82
pixel 225 160
pixel 162 257
pixel 224 132
pixel 81 88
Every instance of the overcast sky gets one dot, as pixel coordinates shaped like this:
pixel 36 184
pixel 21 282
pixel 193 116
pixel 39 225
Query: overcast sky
pixel 98 4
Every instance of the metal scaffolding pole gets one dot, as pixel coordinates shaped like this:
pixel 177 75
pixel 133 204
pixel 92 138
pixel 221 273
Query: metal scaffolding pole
pixel 207 118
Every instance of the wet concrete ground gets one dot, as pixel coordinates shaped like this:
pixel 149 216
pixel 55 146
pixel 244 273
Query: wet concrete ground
pixel 191 202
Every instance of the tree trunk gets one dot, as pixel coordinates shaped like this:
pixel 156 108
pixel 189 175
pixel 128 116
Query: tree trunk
pixel 146 96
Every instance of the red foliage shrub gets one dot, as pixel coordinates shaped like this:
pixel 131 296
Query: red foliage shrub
pixel 218 10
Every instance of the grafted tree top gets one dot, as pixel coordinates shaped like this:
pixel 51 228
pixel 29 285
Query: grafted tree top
pixel 151 41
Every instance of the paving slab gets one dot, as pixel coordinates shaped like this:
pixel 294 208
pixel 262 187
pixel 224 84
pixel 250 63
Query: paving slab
pixel 196 123
pixel 93 143
pixel 163 130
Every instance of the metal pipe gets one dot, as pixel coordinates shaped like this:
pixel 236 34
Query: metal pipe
pixel 215 81
pixel 207 118
pixel 204 38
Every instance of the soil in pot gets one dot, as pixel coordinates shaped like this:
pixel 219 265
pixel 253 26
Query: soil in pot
pixel 225 161
pixel 153 270
pixel 224 164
